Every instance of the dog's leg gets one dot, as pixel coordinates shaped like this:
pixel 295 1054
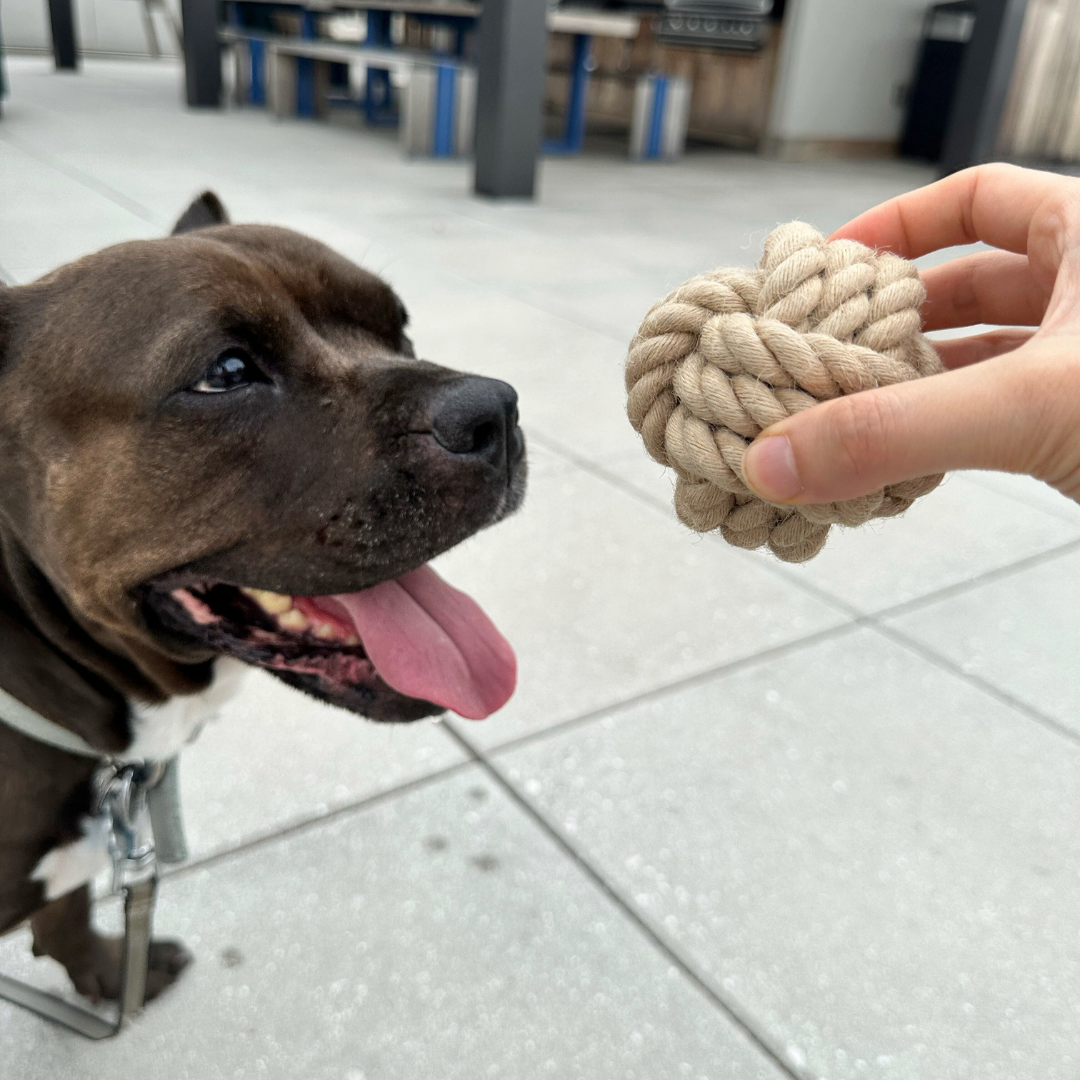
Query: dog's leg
pixel 62 930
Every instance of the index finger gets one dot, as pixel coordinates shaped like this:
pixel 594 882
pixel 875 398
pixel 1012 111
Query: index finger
pixel 992 203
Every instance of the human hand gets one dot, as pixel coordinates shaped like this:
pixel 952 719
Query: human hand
pixel 1010 399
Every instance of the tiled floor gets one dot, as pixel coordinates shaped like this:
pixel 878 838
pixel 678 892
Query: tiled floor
pixel 741 820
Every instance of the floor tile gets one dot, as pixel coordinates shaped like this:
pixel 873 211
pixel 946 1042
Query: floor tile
pixel 870 856
pixel 1020 633
pixel 954 534
pixel 634 467
pixel 276 757
pixel 438 935
pixel 80 220
pixel 605 597
pixel 1027 489
pixel 569 378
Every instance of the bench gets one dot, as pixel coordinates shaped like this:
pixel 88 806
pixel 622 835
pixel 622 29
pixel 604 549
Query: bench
pixel 292 77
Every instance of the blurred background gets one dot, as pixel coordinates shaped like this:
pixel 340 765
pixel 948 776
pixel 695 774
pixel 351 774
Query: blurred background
pixel 742 819
pixel 798 80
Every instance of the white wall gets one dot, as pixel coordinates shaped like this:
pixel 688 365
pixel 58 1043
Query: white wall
pixel 842 66
pixel 114 26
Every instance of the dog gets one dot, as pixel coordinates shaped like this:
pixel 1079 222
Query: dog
pixel 215 445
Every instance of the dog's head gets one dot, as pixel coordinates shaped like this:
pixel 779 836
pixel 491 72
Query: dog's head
pixel 221 442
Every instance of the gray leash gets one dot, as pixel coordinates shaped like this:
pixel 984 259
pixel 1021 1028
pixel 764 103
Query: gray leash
pixel 139 804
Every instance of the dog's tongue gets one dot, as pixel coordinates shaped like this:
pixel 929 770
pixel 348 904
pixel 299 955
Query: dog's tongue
pixel 428 640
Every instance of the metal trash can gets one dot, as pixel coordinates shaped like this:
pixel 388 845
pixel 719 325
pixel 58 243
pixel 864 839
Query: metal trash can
pixel 947 30
pixel 438 110
pixel 660 119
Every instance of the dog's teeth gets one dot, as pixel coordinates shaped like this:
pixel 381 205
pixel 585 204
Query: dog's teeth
pixel 275 603
pixel 293 620
pixel 352 639
pixel 325 630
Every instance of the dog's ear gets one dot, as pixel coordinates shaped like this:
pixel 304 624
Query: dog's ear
pixel 205 211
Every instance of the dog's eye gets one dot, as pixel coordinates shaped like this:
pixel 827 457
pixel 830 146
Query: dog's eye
pixel 231 370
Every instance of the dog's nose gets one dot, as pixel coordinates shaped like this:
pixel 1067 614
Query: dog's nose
pixel 478 417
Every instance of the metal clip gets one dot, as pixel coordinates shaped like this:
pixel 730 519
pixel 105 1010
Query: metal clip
pixel 121 798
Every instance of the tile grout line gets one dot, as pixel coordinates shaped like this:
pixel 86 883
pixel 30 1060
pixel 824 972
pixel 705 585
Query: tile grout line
pixel 698 678
pixel 297 827
pixel 91 183
pixel 779 569
pixel 447 727
pixel 986 578
pixel 943 663
pixel 872 620
pixel 616 481
pixel 731 1012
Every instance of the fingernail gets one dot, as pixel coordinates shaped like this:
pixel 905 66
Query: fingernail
pixel 769 468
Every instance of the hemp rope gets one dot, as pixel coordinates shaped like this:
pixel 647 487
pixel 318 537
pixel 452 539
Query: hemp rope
pixel 729 353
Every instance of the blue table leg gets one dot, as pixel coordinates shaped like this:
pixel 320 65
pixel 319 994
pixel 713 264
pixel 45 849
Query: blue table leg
pixel 257 52
pixel 442 143
pixel 656 121
pixel 574 132
pixel 378 92
pixel 305 69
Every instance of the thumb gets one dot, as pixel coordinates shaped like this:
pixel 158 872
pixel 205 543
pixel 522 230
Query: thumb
pixel 1004 413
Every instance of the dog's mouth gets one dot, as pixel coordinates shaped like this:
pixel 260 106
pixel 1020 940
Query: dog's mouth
pixel 405 648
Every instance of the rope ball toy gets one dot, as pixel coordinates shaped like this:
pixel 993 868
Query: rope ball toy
pixel 729 353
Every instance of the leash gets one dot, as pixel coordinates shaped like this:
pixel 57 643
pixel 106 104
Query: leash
pixel 139 805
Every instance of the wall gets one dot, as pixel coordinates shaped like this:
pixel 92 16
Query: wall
pixel 109 26
pixel 843 67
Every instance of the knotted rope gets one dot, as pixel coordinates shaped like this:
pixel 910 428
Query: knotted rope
pixel 729 353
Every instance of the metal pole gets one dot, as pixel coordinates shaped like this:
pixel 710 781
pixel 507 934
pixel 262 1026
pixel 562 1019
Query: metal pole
pixel 512 50
pixel 202 54
pixel 62 23
pixel 983 84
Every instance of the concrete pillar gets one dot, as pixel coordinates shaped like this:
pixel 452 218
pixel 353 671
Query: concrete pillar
pixel 62 24
pixel 202 54
pixel 512 52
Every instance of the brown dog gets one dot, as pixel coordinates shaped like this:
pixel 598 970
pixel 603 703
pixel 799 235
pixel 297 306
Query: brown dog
pixel 221 444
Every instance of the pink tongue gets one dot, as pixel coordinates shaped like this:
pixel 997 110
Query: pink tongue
pixel 428 640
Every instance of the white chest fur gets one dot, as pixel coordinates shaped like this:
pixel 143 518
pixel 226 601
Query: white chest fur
pixel 159 732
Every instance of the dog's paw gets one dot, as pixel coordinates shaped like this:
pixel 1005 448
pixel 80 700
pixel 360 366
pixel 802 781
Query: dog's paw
pixel 167 960
pixel 101 980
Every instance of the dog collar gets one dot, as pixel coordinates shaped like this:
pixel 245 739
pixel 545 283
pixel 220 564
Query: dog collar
pixel 32 724
pixel 163 788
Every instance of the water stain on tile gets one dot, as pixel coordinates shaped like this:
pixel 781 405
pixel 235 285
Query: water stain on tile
pixel 231 957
